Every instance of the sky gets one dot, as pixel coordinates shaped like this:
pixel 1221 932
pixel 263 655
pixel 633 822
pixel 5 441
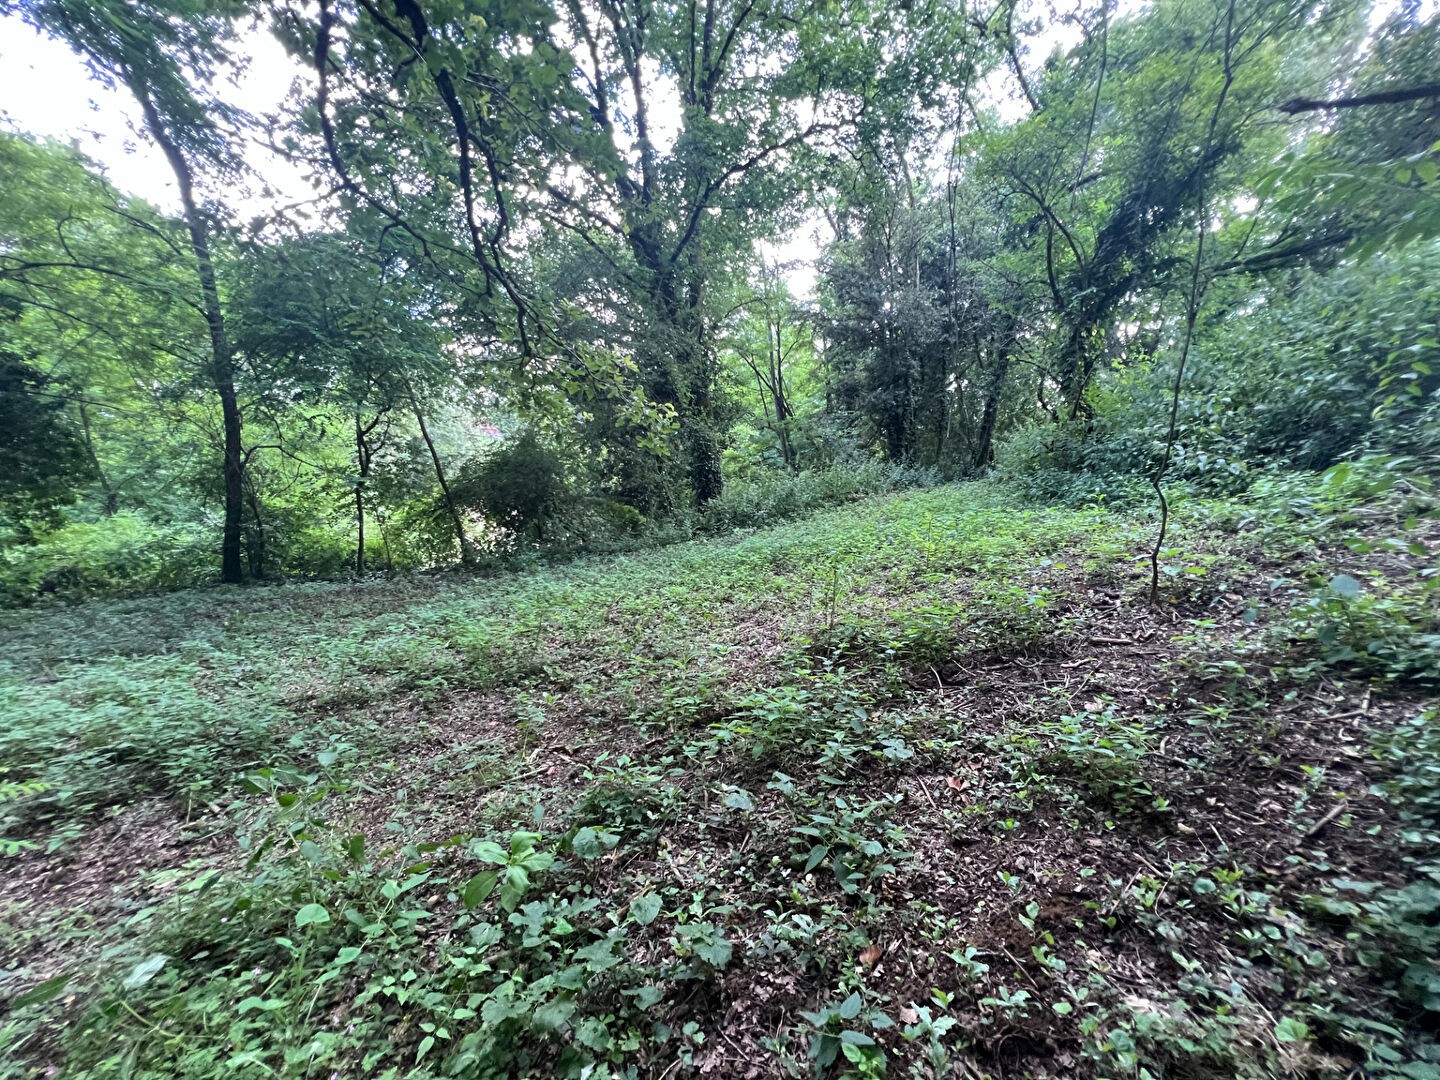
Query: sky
pixel 46 90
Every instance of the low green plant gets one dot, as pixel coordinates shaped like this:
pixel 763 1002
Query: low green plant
pixel 1374 628
pixel 841 1030
pixel 1102 751
pixel 113 732
pixel 854 842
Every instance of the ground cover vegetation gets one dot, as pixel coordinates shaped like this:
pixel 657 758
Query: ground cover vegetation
pixel 921 786
pixel 499 618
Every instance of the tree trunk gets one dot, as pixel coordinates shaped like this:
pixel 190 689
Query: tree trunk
pixel 362 459
pixel 222 362
pixel 385 542
pixel 112 499
pixel 467 557
pixel 984 449
pixel 1078 367
pixel 359 531
pixel 705 464
pixel 783 412
pixel 256 549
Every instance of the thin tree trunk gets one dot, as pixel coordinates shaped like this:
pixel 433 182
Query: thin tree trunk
pixel 359 531
pixel 112 500
pixel 257 549
pixel 776 360
pixel 1192 312
pixel 363 460
pixel 984 450
pixel 467 557
pixel 222 362
pixel 385 542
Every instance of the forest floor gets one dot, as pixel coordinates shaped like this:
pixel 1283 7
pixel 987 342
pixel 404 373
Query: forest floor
pixel 922 786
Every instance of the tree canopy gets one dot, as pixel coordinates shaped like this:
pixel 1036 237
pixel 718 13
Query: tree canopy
pixel 553 225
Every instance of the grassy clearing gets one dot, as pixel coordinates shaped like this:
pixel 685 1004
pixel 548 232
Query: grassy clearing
pixel 917 787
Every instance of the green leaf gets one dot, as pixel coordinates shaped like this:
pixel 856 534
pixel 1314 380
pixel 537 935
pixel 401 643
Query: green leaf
pixel 489 851
pixel 252 1003
pixel 851 1006
pixel 1291 1030
pixel 553 1015
pixel 716 952
pixel 411 882
pixel 48 990
pixel 144 971
pixel 592 1032
pixel 587 844
pixel 645 908
pixel 599 955
pixel 517 881
pixel 479 887
pixel 311 914
pixel 348 955
pixel 739 800
pixel 1345 586
pixel 817 856
pixel 645 996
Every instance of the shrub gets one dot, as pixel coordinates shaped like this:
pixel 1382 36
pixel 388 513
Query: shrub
pixel 521 486
pixel 1374 628
pixel 780 496
pixel 1341 364
pixel 122 555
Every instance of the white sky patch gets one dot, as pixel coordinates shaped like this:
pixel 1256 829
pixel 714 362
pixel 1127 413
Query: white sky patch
pixel 47 91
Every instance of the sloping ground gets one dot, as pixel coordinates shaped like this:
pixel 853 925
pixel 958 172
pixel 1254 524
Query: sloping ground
pixel 921 787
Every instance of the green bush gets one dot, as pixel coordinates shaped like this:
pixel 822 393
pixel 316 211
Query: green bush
pixel 1373 627
pixel 1343 364
pixel 779 496
pixel 122 555
pixel 521 486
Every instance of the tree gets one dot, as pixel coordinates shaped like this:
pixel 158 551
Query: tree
pixel 772 337
pixel 1112 161
pixel 662 137
pixel 163 52
pixel 42 458
pixel 96 303
pixel 325 327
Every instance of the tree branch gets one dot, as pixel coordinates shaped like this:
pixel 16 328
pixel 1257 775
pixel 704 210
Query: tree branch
pixel 1383 97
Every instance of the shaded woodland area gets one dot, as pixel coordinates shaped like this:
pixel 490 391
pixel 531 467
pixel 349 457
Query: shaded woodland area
pixel 528 305
pixel 754 538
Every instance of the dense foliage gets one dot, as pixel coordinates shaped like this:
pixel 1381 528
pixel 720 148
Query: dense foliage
pixel 542 224
pixel 1001 641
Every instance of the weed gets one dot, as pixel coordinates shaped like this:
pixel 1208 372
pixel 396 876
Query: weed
pixel 841 1030
pixel 1390 632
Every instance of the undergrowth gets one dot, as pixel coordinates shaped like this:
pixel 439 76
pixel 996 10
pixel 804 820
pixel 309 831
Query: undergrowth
pixel 917 787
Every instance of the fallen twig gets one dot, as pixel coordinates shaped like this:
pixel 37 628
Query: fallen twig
pixel 926 792
pixel 1330 816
